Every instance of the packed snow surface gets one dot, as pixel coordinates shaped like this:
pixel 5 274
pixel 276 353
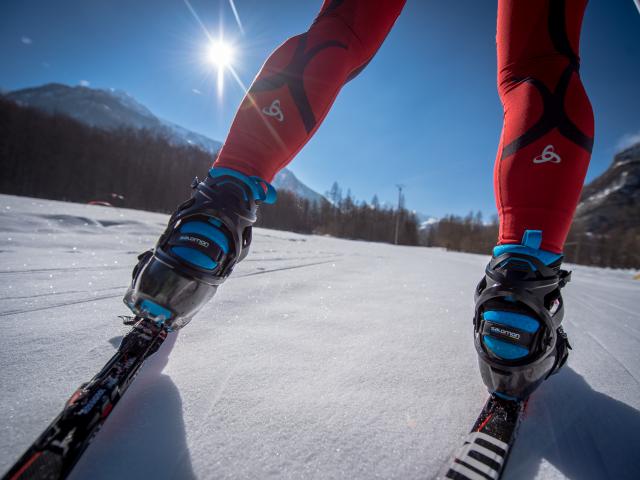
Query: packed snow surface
pixel 319 358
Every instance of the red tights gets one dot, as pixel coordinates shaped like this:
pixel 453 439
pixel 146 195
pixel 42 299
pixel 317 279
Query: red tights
pixel 547 134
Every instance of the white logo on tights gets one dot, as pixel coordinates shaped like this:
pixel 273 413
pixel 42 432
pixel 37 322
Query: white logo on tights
pixel 274 110
pixel 548 155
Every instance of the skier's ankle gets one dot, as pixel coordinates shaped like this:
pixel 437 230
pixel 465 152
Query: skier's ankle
pixel 530 246
pixel 211 229
pixel 262 191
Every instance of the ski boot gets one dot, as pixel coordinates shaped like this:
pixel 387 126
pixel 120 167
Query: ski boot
pixel 518 313
pixel 204 240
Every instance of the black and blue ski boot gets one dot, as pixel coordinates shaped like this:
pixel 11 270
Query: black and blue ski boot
pixel 204 240
pixel 518 313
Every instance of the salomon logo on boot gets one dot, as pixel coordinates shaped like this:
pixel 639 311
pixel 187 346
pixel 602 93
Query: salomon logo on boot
pixel 507 333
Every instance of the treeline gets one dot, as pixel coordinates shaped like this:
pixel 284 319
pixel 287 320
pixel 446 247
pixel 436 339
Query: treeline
pixel 462 234
pixel 57 157
pixel 618 248
pixel 346 218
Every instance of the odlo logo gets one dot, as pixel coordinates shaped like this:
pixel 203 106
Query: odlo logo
pixel 274 110
pixel 507 333
pixel 199 241
pixel 548 155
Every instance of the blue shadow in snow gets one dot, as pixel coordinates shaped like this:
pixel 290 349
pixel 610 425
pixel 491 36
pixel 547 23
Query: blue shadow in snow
pixel 144 436
pixel 582 433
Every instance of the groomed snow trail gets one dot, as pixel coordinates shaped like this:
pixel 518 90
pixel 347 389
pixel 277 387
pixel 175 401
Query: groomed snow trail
pixel 319 358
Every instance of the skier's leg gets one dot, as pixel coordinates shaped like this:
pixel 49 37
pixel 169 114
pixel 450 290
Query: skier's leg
pixel 290 97
pixel 540 168
pixel 299 82
pixel 548 123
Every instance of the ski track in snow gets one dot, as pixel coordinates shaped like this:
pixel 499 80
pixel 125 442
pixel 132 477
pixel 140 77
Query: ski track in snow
pixel 319 358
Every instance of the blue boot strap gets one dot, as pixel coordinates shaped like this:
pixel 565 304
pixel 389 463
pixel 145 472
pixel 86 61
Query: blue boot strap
pixel 262 190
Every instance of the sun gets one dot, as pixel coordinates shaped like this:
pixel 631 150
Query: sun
pixel 220 54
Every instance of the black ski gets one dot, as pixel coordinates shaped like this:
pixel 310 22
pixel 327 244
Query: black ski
pixel 58 449
pixel 484 453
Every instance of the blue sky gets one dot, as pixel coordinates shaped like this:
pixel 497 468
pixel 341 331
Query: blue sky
pixel 425 113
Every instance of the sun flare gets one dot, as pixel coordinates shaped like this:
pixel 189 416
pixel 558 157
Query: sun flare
pixel 220 54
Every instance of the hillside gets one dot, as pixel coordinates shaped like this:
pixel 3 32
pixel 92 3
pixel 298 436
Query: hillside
pixel 107 109
pixel 115 109
pixel 613 199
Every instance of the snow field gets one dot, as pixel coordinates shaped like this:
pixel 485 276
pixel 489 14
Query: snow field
pixel 319 358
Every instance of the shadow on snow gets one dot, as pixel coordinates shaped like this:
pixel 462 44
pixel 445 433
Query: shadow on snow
pixel 145 435
pixel 582 433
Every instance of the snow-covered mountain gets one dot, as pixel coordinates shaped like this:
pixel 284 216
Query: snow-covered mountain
pixel 425 221
pixel 286 180
pixel 613 199
pixel 111 109
pixel 107 109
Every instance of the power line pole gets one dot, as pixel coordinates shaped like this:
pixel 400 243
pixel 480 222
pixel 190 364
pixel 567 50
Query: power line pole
pixel 400 187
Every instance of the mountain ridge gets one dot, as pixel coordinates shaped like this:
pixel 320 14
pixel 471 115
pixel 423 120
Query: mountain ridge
pixel 107 109
pixel 110 109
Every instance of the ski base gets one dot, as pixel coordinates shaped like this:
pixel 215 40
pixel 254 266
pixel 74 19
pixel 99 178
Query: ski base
pixel 58 449
pixel 484 453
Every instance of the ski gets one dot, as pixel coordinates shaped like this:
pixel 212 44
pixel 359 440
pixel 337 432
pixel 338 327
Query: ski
pixel 53 455
pixel 484 453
